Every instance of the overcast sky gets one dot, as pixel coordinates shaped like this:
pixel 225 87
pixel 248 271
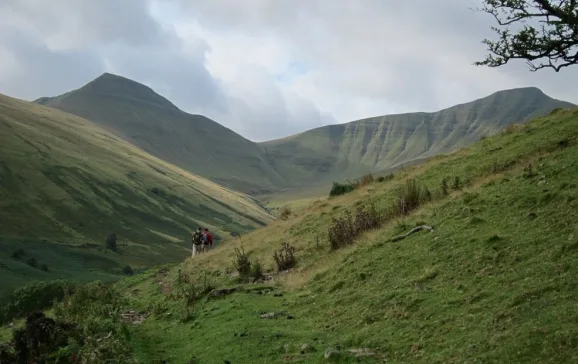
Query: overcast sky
pixel 265 68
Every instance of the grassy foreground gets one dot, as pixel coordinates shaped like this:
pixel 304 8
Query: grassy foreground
pixel 66 184
pixel 494 282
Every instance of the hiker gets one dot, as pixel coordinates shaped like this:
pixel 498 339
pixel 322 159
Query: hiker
pixel 207 240
pixel 196 240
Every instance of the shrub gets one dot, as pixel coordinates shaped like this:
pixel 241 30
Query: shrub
pixel 44 267
pixel 242 263
pixel 285 212
pixel 385 178
pixel 189 288
pixel 366 218
pixel 444 186
pixel 127 270
pixel 342 231
pixel 346 228
pixel 111 242
pixel 18 253
pixel 33 297
pixel 257 271
pixel 341 188
pixel 410 197
pixel 32 262
pixel 364 180
pixel 457 183
pixel 285 257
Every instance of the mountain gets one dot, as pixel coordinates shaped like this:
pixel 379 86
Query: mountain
pixel 66 184
pixel 492 281
pixel 193 142
pixel 312 158
pixel 352 149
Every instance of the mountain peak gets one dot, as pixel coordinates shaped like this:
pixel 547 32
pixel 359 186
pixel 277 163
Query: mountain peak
pixel 111 85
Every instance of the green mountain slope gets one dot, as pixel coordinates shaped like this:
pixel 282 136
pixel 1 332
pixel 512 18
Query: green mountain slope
pixel 66 184
pixel 373 144
pixel 193 142
pixel 316 157
pixel 494 282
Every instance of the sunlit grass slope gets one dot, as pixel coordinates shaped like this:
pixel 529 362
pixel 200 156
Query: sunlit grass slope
pixel 495 282
pixel 66 184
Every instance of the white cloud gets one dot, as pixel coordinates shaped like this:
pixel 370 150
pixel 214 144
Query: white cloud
pixel 265 68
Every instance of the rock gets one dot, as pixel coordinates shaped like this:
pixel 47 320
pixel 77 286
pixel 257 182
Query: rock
pixel 306 348
pixel 331 353
pixel 278 295
pixel 223 291
pixel 290 317
pixel 359 353
pixel 287 348
pixel 269 315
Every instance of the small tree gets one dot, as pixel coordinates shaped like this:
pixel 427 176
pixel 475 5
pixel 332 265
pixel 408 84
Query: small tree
pixel 546 33
pixel 111 242
pixel 127 270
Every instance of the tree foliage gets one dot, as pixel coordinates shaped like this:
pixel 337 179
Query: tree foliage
pixel 542 32
pixel 111 242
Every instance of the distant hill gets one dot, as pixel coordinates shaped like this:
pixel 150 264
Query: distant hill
pixel 198 144
pixel 378 143
pixel 66 184
pixel 315 157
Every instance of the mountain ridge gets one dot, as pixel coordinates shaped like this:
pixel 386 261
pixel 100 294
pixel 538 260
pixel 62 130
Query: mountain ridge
pixel 202 146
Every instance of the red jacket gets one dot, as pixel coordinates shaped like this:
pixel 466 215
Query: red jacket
pixel 210 238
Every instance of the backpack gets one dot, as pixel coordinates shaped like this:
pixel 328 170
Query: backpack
pixel 197 238
pixel 204 239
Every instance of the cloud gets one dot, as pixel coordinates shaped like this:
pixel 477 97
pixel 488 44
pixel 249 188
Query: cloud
pixel 265 68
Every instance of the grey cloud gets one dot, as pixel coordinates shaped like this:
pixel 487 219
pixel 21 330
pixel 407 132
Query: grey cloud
pixel 72 22
pixel 364 57
pixel 40 72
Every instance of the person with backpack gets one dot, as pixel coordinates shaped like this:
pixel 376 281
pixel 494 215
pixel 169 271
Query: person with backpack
pixel 196 240
pixel 207 240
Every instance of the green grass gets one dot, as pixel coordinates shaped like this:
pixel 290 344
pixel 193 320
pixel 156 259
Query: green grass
pixel 494 282
pixel 66 184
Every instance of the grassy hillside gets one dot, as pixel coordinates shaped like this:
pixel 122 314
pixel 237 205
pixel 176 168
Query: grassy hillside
pixel 494 282
pixel 193 142
pixel 66 184
pixel 349 150
pixel 310 160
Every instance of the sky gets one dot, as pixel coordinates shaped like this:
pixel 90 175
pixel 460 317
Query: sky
pixel 265 68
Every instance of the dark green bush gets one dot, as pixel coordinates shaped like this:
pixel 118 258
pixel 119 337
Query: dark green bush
pixel 341 188
pixel 127 270
pixel 111 242
pixel 257 271
pixel 18 253
pixel 32 297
